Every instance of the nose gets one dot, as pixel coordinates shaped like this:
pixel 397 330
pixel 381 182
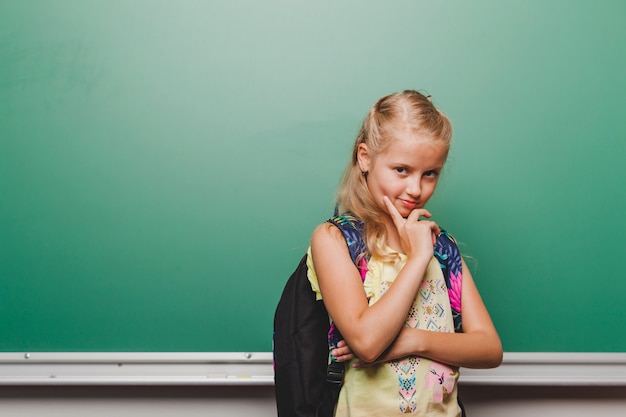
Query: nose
pixel 414 187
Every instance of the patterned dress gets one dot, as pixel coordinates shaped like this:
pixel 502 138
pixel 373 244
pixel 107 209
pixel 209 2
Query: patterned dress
pixel 412 385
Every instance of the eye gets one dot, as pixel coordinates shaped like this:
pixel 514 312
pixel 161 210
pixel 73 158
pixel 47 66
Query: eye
pixel 401 170
pixel 431 174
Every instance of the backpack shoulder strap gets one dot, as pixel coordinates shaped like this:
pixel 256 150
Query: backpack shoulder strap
pixel 449 257
pixel 352 230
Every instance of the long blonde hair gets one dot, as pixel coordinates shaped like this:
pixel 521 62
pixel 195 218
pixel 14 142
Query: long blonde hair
pixel 410 110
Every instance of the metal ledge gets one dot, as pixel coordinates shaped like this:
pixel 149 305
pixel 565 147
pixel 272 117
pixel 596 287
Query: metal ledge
pixel 255 368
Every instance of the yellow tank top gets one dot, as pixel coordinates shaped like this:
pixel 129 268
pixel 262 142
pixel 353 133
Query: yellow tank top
pixel 412 385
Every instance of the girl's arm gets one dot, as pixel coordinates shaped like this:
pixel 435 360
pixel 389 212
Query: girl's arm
pixel 369 330
pixel 477 347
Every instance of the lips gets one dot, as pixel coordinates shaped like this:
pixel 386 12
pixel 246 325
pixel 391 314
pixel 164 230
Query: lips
pixel 410 204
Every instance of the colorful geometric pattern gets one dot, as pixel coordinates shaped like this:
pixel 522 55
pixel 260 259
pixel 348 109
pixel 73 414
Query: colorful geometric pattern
pixel 428 314
pixel 405 369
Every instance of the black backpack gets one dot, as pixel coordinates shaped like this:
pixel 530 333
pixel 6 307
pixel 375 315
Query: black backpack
pixel 306 383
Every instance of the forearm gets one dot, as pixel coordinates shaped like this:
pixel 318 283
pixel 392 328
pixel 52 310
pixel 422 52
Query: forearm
pixel 371 333
pixel 469 350
pixel 478 349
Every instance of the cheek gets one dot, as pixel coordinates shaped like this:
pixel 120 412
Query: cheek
pixel 430 190
pixel 379 186
pixel 386 185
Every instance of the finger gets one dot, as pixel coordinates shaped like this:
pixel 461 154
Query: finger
pixel 422 212
pixel 418 214
pixel 341 350
pixel 397 219
pixel 343 354
pixel 347 357
pixel 435 228
pixel 362 364
pixel 425 213
pixel 414 216
pixel 435 231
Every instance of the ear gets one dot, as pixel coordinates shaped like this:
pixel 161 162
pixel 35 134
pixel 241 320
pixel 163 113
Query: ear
pixel 363 157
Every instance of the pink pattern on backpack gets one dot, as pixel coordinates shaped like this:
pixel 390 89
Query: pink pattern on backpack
pixel 363 268
pixel 455 291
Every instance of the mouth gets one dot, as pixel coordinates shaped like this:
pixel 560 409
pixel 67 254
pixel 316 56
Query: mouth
pixel 410 204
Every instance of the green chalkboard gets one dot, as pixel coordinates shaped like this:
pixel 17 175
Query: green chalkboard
pixel 163 163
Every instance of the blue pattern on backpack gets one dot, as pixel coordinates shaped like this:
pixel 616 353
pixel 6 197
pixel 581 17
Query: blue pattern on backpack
pixel 449 257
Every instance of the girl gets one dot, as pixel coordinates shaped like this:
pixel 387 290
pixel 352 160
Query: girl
pixel 398 364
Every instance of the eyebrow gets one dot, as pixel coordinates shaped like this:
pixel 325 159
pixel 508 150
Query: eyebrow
pixel 403 164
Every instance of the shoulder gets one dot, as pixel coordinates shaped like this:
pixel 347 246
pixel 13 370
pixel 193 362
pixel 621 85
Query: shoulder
pixel 337 237
pixel 326 233
pixel 346 228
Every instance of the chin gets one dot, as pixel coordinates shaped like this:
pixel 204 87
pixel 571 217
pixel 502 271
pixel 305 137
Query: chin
pixel 404 212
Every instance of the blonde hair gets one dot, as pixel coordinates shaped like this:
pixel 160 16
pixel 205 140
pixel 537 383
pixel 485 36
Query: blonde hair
pixel 409 110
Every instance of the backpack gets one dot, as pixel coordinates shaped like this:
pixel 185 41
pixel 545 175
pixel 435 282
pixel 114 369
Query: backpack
pixel 306 382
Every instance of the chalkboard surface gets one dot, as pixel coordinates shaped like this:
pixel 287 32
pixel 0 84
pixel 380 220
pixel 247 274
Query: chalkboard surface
pixel 163 163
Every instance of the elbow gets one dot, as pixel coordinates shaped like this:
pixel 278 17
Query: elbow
pixel 492 351
pixel 367 349
pixel 488 354
pixel 369 356
pixel 499 357
pixel 485 360
pixel 494 359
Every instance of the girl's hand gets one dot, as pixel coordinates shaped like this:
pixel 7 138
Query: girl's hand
pixel 417 237
pixel 343 353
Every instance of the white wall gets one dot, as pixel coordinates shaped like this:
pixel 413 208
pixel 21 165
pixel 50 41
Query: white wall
pixel 258 401
pixel 536 401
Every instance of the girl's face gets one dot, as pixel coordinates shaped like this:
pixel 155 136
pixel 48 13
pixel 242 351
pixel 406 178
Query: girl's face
pixel 407 171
